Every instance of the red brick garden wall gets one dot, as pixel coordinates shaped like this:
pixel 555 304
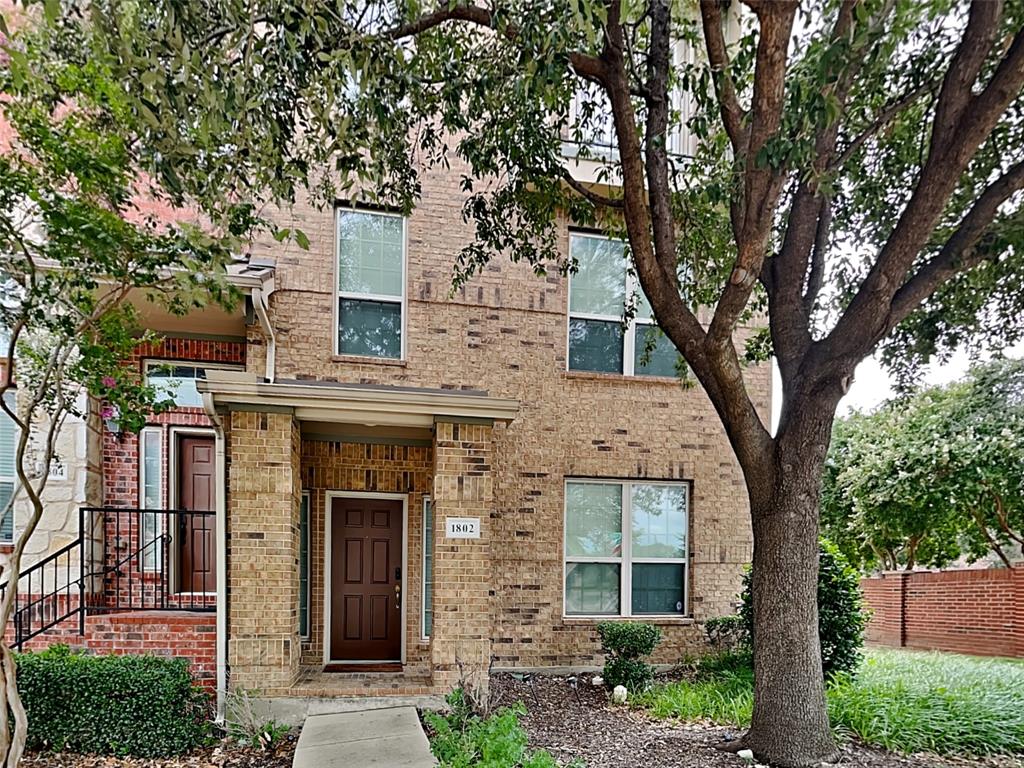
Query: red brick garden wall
pixel 160 633
pixel 979 612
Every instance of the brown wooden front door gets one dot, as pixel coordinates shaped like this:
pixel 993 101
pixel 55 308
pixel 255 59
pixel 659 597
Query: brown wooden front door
pixel 366 580
pixel 197 553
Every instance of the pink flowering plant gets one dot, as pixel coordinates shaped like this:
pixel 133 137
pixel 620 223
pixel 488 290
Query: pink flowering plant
pixel 76 257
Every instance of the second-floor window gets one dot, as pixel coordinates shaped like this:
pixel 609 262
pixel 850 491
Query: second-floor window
pixel 371 284
pixel 177 381
pixel 598 339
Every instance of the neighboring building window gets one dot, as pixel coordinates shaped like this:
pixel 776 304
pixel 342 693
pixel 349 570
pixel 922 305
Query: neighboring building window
pixel 371 283
pixel 8 475
pixel 598 290
pixel 177 381
pixel 591 129
pixel 304 566
pixel 428 567
pixel 151 485
pixel 626 550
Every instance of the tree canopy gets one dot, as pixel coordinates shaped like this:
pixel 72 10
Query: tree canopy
pixel 851 177
pixel 78 253
pixel 931 477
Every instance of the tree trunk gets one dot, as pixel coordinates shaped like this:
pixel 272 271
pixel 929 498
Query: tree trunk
pixel 790 725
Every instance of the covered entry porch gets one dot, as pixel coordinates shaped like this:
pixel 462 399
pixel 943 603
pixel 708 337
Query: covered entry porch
pixel 340 579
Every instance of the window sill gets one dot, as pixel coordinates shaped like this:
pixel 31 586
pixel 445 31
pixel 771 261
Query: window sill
pixel 366 360
pixel 661 621
pixel 620 378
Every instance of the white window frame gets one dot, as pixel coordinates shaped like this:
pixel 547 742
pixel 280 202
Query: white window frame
pixel 157 565
pixel 309 570
pixel 424 634
pixel 340 294
pixel 155 362
pixel 625 560
pixel 629 337
pixel 13 479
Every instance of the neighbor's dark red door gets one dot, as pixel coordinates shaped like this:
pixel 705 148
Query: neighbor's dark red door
pixel 366 579
pixel 196 532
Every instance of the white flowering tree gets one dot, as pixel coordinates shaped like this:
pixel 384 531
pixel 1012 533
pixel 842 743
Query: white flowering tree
pixel 929 478
pixel 76 256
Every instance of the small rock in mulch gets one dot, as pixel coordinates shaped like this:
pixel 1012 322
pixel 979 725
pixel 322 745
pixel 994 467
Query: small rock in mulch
pixel 579 723
pixel 223 755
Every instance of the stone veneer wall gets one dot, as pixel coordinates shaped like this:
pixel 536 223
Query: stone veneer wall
pixel 262 528
pixel 367 467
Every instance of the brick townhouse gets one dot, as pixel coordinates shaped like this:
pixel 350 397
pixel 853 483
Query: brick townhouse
pixel 370 485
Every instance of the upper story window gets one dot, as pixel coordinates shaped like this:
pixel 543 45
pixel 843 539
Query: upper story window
pixel 591 124
pixel 626 550
pixel 371 284
pixel 177 381
pixel 591 129
pixel 598 340
pixel 8 476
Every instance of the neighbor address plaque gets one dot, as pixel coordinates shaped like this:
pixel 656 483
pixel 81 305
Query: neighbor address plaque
pixel 462 527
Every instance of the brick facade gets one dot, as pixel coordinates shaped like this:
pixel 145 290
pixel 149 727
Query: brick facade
pixel 172 632
pixel 972 611
pixel 263 550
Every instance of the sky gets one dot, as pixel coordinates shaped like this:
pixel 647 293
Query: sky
pixel 872 384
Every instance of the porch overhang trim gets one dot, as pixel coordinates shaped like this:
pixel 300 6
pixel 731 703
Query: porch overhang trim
pixel 343 403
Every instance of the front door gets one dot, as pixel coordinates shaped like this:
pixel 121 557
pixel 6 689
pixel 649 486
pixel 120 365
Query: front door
pixel 366 580
pixel 196 551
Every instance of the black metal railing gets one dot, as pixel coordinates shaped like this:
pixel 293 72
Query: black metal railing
pixel 49 592
pixel 154 559
pixel 123 560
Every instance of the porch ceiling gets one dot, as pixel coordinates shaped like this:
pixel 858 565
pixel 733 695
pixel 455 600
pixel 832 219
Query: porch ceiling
pixel 367 405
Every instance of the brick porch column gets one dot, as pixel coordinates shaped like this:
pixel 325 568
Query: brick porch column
pixel 264 495
pixel 463 487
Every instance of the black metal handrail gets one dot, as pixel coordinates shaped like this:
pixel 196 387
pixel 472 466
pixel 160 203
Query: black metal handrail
pixel 155 559
pixel 35 613
pixel 151 560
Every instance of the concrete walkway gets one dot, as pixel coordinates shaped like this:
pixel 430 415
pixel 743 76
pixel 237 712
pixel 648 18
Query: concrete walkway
pixel 379 737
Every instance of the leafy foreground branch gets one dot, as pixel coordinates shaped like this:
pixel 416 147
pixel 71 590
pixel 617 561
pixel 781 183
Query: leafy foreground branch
pixel 902 701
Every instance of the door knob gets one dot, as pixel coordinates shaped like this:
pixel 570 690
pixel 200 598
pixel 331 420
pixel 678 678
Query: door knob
pixel 398 596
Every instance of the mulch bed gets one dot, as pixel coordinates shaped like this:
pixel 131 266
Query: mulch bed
pixel 223 755
pixel 589 728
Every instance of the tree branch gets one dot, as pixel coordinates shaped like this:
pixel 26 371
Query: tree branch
pixel 585 192
pixel 762 183
pixel 733 115
pixel 882 119
pixel 956 254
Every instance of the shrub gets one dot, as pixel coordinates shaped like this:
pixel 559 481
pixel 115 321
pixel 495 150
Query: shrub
pixel 461 739
pixel 144 706
pixel 626 644
pixel 726 633
pixel 841 616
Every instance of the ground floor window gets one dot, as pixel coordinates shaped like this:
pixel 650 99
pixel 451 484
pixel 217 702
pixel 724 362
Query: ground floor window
pixel 151 487
pixel 428 567
pixel 8 476
pixel 304 566
pixel 626 548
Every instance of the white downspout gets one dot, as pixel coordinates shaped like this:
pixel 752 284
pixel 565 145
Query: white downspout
pixel 220 534
pixel 259 303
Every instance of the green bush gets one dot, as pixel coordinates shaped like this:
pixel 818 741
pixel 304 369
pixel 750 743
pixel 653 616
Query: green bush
pixel 726 632
pixel 461 739
pixel 841 617
pixel 625 645
pixel 144 706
